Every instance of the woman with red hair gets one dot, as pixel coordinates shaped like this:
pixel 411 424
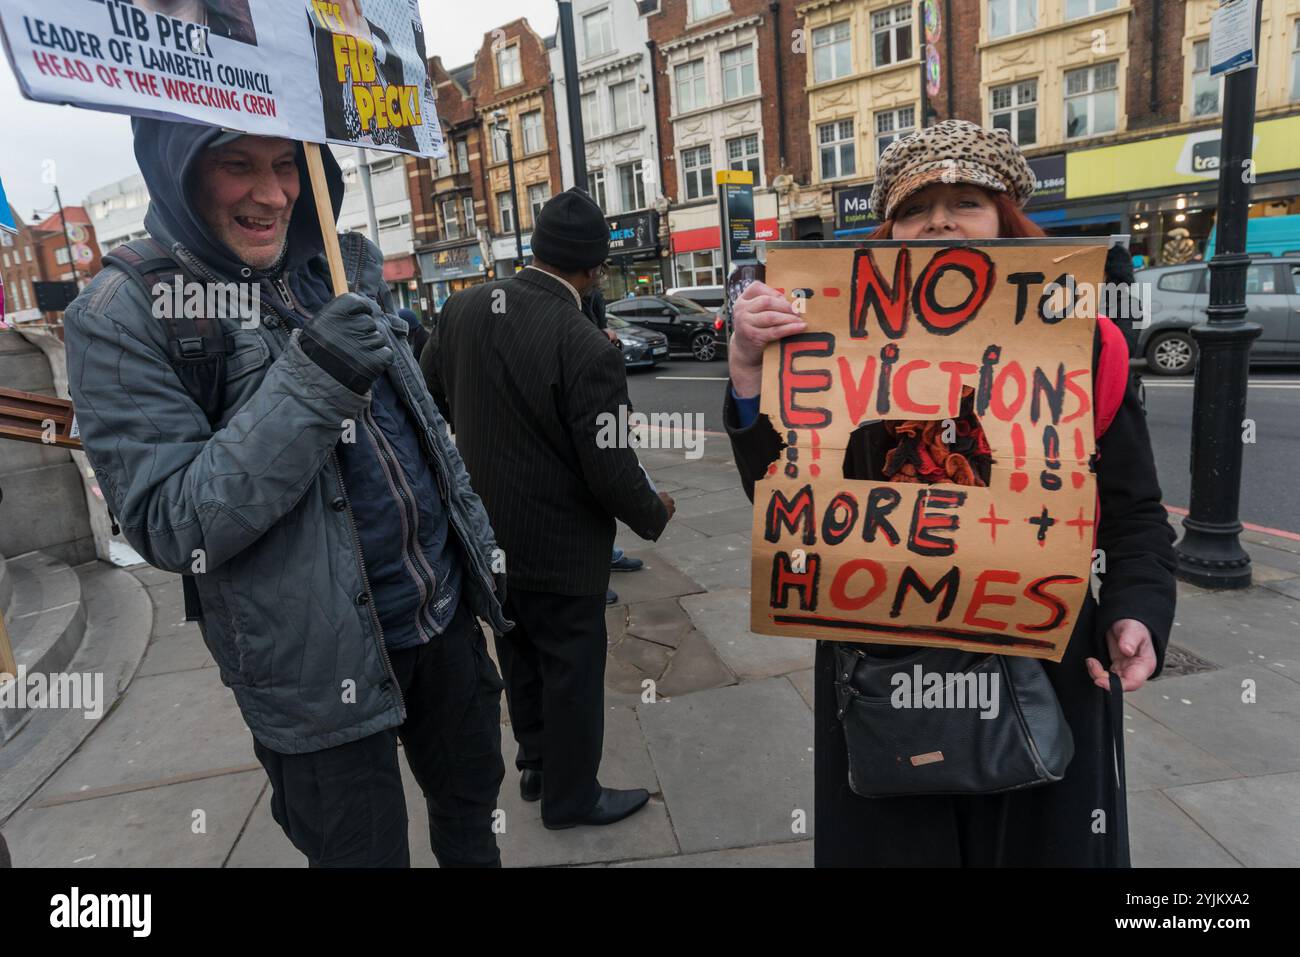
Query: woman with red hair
pixel 956 181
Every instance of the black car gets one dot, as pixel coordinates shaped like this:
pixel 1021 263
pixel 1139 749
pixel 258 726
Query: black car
pixel 641 347
pixel 690 328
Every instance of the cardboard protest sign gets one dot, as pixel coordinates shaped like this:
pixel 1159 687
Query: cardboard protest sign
pixel 935 334
pixel 344 71
pixel 375 86
pixel 242 64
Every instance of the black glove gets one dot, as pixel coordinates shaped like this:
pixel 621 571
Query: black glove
pixel 344 341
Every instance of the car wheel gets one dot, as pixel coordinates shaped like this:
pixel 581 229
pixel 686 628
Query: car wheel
pixel 1171 353
pixel 704 347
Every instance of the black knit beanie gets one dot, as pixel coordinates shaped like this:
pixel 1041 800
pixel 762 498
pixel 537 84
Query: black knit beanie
pixel 571 232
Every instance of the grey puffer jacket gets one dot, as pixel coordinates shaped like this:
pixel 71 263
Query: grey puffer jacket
pixel 288 614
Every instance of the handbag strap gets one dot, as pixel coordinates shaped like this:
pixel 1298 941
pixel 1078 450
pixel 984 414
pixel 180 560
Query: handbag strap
pixel 1119 821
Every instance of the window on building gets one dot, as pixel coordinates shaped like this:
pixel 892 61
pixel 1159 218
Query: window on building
pixel 596 181
pixel 697 172
pixel 499 142
pixel 892 125
pixel 590 115
pixel 534 132
pixel 838 149
pixel 598 32
pixel 506 212
pixel 442 165
pixel 27 294
pixel 451 219
pixel 832 52
pixel 1015 109
pixel 538 194
pixel 29 253
pixel 738 78
pixel 1091 100
pixel 61 256
pixel 631 187
pixel 462 156
pixel 701 268
pixel 1295 60
pixel 471 224
pixel 1083 8
pixel 4 258
pixel 742 153
pixel 623 106
pixel 508 71
pixel 707 8
pixel 692 89
pixel 1205 88
pixel 891 34
pixel 1011 16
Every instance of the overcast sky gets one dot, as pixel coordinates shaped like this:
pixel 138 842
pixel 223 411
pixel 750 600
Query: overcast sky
pixel 92 149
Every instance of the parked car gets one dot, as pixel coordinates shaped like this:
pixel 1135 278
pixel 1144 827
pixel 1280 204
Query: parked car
pixel 1180 295
pixel 690 327
pixel 710 297
pixel 641 347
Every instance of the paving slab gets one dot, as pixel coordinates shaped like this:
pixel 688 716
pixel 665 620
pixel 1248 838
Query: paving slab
pixel 791 854
pixel 1231 628
pixel 152 827
pixel 711 475
pixel 708 552
pixel 803 683
pixel 664 622
pixel 739 519
pixel 165 725
pixel 713 503
pixel 1156 757
pixel 722 616
pixel 734 763
pixel 1257 819
pixel 645 656
pixel 150 576
pixel 1161 835
pixel 658 579
pixel 1207 710
pixel 185 652
pixel 1287 587
pixel 695 666
pixel 676 532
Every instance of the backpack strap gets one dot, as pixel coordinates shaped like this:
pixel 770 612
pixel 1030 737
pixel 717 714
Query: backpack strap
pixel 1111 380
pixel 196 346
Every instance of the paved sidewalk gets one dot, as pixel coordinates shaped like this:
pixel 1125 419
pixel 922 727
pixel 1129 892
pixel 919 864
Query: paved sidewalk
pixel 725 746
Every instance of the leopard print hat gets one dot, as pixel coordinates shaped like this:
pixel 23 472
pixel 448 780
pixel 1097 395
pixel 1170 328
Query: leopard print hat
pixel 954 151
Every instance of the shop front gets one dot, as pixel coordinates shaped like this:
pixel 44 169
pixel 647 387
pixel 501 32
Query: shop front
pixel 1163 191
pixel 696 238
pixel 449 269
pixel 853 212
pixel 634 256
pixel 505 252
pixel 399 275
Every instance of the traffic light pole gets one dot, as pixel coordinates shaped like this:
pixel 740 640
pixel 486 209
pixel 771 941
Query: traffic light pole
pixel 1210 553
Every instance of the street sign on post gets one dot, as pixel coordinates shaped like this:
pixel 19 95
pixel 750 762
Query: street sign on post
pixel 54 296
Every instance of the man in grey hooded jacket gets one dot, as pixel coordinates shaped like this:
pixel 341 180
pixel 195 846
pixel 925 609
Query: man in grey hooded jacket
pixel 341 557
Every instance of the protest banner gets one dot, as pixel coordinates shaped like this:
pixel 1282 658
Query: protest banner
pixel 245 65
pixel 931 333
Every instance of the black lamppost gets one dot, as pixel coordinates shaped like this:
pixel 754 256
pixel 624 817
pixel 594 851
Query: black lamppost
pixel 502 127
pixel 1210 553
pixel 573 95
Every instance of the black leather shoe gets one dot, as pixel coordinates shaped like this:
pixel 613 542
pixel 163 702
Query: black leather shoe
pixel 611 597
pixel 530 784
pixel 613 805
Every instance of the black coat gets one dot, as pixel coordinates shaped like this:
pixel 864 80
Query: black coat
pixel 528 382
pixel 1049 825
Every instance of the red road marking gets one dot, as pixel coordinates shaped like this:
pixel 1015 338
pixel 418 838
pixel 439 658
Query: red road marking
pixel 1279 532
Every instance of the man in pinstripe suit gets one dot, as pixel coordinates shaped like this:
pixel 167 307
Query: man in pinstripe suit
pixel 529 380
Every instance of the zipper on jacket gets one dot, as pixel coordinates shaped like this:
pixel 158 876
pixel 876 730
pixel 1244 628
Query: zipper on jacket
pixel 365 581
pixel 428 579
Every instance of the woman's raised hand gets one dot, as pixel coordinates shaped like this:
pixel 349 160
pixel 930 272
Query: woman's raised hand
pixel 761 315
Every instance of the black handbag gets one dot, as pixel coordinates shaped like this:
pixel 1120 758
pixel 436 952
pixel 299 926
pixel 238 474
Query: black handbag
pixel 983 724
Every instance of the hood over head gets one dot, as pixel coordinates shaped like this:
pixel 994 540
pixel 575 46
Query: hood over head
pixel 168 152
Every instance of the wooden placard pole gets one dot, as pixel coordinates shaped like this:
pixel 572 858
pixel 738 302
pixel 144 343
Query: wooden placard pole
pixel 325 213
pixel 7 664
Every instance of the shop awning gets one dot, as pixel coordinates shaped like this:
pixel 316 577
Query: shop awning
pixel 710 237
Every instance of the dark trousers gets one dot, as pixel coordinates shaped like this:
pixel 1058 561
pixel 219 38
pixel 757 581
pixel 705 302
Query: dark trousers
pixel 344 806
pixel 553 663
